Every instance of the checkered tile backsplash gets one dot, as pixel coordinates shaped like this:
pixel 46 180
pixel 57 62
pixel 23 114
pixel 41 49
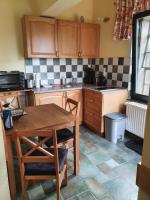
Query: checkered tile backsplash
pixel 52 70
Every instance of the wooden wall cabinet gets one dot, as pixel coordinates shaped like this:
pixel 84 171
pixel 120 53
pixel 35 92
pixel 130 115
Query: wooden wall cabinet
pixel 89 40
pixel 97 105
pixel 59 98
pixel 68 39
pixel 40 37
pixel 50 38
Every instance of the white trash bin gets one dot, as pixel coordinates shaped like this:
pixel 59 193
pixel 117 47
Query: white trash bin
pixel 115 127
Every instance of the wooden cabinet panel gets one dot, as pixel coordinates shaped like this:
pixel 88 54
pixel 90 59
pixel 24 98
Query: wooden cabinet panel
pixel 77 96
pixel 97 104
pixel 47 98
pixel 40 37
pixel 68 39
pixel 89 40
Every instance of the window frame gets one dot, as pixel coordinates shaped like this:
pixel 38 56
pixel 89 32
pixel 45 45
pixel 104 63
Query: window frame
pixel 134 95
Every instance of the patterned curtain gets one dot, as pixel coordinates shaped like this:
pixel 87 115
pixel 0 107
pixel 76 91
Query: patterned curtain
pixel 125 10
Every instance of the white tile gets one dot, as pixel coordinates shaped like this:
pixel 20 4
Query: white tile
pixel 101 68
pixel 29 69
pixel 115 61
pixel 120 69
pixel 62 61
pixel 36 61
pixel 112 163
pixel 68 80
pixel 44 82
pixel 114 76
pixel 43 68
pixel 74 61
pixel 127 61
pixel 49 61
pixel 105 61
pixel 74 74
pixel 79 80
pixel 50 75
pixel 56 68
pixel 85 61
pixel 119 83
pixel 68 68
pixel 80 68
pixel 97 61
pixel 125 78
pixel 62 74
pixel 110 68
pixel 56 81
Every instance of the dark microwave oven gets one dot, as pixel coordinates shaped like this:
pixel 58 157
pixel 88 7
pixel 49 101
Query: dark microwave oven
pixel 12 80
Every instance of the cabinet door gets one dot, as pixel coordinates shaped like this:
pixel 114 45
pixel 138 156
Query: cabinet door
pixel 68 32
pixel 47 98
pixel 89 40
pixel 77 96
pixel 40 37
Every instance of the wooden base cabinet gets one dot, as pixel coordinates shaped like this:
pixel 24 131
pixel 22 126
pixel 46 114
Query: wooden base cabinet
pixel 97 105
pixel 59 98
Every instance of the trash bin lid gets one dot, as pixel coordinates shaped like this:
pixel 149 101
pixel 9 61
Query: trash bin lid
pixel 115 116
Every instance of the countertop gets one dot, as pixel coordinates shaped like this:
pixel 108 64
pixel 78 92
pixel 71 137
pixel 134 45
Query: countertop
pixel 61 88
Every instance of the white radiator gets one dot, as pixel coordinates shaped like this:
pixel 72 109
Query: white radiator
pixel 136 116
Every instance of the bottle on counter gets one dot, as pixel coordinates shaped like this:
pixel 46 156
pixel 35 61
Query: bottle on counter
pixel 37 81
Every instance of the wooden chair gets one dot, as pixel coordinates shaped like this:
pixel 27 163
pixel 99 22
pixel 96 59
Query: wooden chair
pixel 38 163
pixel 66 136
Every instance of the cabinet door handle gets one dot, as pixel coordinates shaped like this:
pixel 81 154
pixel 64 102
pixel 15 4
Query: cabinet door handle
pixel 79 54
pixel 57 53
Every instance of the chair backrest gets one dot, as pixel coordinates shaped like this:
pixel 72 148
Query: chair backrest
pixel 12 98
pixel 73 107
pixel 27 143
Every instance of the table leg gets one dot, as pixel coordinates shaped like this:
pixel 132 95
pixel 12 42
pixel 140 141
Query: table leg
pixel 10 165
pixel 77 150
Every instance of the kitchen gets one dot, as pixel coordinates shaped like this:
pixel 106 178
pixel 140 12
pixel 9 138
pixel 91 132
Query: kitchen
pixel 81 38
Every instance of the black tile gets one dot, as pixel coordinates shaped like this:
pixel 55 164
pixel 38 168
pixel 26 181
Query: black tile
pixel 101 61
pixel 43 61
pixel 62 68
pixel 91 61
pixel 110 61
pixel 74 68
pixel 36 69
pixel 115 68
pixel 28 61
pixel 50 68
pixel 68 74
pixel 126 69
pixel 56 61
pixel 119 77
pixel 125 84
pixel 56 75
pixel 114 83
pixel 29 76
pixel 85 67
pixel 43 76
pixel 96 67
pixel 68 61
pixel 109 75
pixel 120 61
pixel 79 61
pixel 79 74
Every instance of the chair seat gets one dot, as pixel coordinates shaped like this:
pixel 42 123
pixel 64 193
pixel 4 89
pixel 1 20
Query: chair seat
pixel 62 136
pixel 45 168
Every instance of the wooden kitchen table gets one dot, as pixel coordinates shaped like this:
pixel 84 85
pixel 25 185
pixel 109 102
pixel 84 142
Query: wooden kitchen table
pixel 48 116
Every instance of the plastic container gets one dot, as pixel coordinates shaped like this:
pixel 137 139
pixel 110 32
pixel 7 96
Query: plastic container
pixel 115 127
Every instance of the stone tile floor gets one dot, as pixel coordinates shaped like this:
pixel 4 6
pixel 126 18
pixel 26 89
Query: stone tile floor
pixel 108 172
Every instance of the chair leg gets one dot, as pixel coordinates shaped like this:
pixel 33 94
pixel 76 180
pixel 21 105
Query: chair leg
pixel 58 190
pixel 24 187
pixel 66 177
